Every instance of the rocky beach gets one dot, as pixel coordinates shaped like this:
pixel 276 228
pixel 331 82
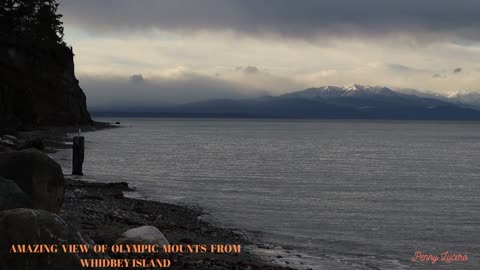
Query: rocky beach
pixel 60 209
pixel 101 212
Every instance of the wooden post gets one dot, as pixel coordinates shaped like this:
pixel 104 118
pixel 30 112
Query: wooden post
pixel 78 155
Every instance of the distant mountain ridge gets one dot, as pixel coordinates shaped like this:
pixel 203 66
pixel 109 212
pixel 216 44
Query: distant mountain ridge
pixel 354 90
pixel 329 102
pixel 469 99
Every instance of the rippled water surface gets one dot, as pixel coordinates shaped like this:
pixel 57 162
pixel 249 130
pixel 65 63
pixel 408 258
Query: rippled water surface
pixel 366 194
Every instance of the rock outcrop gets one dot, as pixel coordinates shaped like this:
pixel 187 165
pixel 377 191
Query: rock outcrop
pixel 39 176
pixel 11 196
pixel 38 87
pixel 28 226
pixel 4 148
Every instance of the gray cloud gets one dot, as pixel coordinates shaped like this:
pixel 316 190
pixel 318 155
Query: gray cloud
pixel 457 70
pixel 137 78
pixel 137 92
pixel 251 70
pixel 425 20
pixel 400 68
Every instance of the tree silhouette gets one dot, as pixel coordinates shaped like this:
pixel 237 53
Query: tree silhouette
pixel 35 20
pixel 47 22
pixel 8 10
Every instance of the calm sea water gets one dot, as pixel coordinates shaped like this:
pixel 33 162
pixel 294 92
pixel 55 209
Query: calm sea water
pixel 367 195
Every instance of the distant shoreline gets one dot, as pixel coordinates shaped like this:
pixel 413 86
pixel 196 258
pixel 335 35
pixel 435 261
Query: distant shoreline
pixel 250 117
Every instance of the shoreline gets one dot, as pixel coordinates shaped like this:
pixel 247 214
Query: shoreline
pixel 126 212
pixel 256 254
pixel 56 138
pixel 103 213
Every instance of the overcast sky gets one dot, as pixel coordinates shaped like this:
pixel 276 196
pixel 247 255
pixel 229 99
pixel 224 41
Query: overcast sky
pixel 170 51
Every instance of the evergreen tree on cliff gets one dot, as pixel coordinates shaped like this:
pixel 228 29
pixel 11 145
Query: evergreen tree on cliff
pixel 8 18
pixel 38 86
pixel 31 20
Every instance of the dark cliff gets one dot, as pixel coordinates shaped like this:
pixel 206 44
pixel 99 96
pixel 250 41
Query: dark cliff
pixel 38 87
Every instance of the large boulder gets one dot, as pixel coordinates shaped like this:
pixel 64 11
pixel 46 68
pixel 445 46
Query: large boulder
pixel 11 196
pixel 30 227
pixel 37 175
pixel 143 235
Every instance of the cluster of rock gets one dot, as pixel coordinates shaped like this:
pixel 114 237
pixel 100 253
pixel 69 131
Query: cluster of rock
pixel 28 176
pixel 37 175
pixel 9 142
pixel 31 195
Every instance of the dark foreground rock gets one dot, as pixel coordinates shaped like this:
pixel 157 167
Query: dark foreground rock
pixel 39 176
pixel 11 196
pixel 27 226
pixel 4 148
pixel 101 212
pixel 35 143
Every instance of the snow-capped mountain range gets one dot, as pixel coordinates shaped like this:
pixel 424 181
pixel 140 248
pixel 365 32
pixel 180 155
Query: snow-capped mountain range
pixel 354 90
pixel 471 99
pixel 464 98
pixel 467 99
pixel 332 102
